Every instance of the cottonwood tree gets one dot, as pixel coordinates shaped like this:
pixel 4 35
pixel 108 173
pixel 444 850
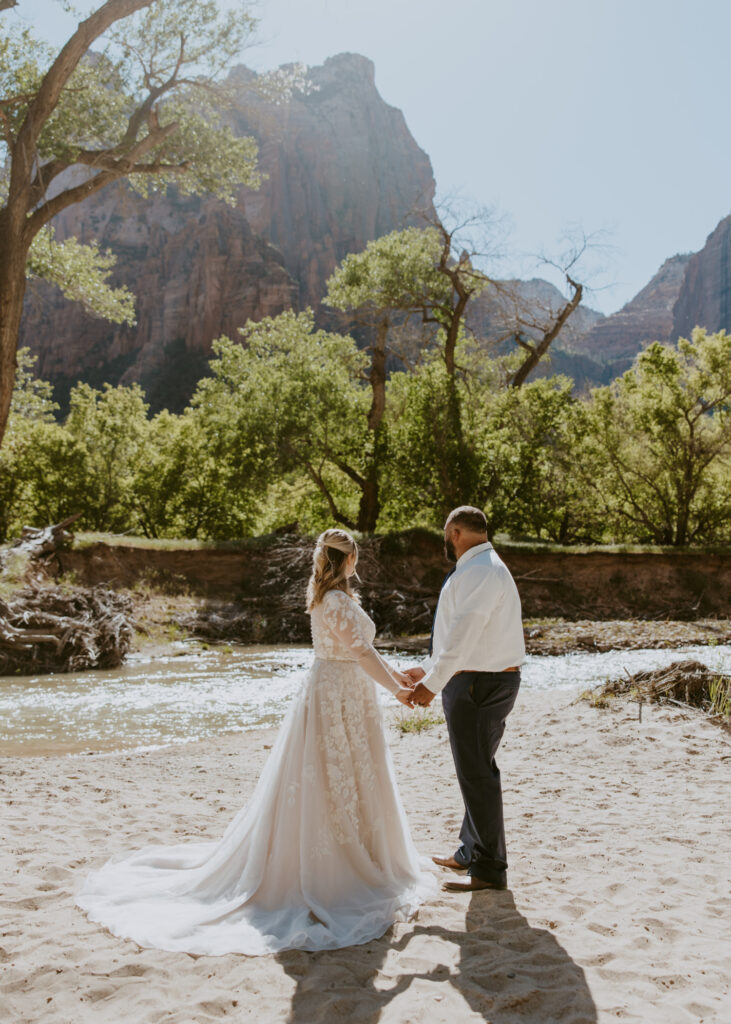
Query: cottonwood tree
pixel 658 456
pixel 146 108
pixel 289 400
pixel 379 287
pixel 407 274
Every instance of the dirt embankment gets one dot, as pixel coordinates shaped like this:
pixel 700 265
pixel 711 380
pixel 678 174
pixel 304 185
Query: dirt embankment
pixel 255 594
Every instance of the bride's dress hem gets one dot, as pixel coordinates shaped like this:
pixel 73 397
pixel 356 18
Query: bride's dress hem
pixel 321 856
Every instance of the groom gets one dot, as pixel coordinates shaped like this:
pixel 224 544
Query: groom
pixel 474 661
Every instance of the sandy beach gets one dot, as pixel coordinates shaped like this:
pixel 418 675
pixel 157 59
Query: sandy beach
pixel 618 905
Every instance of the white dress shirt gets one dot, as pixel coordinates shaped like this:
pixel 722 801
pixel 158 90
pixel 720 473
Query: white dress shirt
pixel 478 624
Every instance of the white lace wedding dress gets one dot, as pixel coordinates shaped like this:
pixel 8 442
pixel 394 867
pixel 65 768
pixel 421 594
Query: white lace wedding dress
pixel 320 858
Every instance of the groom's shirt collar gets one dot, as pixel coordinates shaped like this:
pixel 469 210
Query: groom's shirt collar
pixel 471 552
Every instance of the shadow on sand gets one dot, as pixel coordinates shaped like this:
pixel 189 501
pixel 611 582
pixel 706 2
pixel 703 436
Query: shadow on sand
pixel 503 969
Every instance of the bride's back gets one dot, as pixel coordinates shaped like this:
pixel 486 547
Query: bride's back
pixel 341 630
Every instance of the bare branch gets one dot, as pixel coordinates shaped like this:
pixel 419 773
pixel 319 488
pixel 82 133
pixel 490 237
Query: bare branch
pixel 117 169
pixel 549 336
pixel 316 476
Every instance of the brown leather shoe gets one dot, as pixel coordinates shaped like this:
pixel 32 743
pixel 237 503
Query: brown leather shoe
pixel 449 862
pixel 474 885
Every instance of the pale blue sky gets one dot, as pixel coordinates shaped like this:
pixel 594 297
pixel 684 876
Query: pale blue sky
pixel 612 114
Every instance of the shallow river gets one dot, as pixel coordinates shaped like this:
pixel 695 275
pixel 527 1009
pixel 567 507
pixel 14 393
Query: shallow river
pixel 202 693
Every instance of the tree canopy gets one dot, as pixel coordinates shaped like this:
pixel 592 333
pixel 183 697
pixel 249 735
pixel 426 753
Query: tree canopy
pixel 137 93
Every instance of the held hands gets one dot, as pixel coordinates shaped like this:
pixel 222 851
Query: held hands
pixel 422 696
pixel 407 688
pixel 413 692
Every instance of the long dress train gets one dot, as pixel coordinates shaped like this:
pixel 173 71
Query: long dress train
pixel 320 858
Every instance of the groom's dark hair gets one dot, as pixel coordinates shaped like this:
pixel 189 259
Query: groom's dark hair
pixel 469 518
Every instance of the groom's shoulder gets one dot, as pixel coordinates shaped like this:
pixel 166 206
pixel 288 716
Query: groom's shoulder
pixel 489 568
pixel 483 565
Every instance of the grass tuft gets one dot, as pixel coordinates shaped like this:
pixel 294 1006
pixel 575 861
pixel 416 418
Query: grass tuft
pixel 719 694
pixel 418 720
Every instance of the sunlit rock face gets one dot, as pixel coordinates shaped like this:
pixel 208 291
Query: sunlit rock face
pixel 689 290
pixel 646 318
pixel 705 297
pixel 340 168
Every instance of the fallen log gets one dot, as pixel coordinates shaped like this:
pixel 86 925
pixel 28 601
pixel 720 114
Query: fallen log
pixel 45 540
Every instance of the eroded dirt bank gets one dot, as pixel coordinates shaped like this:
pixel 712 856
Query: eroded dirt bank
pixel 255 594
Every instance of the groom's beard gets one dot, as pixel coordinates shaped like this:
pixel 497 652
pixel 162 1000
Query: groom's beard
pixel 449 550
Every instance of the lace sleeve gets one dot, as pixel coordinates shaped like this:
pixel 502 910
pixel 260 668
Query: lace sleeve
pixel 346 622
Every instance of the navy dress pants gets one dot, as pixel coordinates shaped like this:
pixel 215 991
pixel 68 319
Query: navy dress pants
pixel 476 705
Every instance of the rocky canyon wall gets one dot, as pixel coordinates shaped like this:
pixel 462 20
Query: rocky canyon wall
pixel 340 168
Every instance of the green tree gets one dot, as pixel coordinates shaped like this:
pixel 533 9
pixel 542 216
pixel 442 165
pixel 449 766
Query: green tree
pixel 527 441
pixel 405 274
pixel 111 428
pixel 31 404
pixel 288 399
pixel 146 108
pixel 521 443
pixel 419 478
pixel 660 443
pixel 190 483
pixel 40 465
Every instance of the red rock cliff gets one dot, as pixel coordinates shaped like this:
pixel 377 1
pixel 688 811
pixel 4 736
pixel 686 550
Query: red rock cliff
pixel 705 298
pixel 341 168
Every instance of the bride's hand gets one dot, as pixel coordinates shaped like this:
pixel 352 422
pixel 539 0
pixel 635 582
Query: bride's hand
pixel 404 695
pixel 405 681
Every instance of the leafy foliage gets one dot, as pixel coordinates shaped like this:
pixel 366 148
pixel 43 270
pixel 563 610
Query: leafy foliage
pixel 148 106
pixel 278 434
pixel 659 443
pixel 81 272
pixel 395 272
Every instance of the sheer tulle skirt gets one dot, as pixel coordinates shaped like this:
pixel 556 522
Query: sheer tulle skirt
pixel 320 858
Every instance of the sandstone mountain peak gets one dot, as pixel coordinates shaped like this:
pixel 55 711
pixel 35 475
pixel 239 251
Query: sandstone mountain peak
pixel 705 296
pixel 645 318
pixel 340 168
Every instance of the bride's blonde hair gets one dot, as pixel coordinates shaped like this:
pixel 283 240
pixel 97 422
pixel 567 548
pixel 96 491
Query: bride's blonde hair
pixel 328 565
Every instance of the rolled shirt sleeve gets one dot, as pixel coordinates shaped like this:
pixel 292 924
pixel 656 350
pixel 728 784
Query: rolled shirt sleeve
pixel 475 595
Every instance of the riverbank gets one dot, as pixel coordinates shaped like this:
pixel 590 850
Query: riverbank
pixel 616 910
pixel 162 619
pixel 253 592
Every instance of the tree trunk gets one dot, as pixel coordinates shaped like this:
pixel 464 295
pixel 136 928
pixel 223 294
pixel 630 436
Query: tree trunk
pixel 13 256
pixel 536 352
pixel 377 378
pixel 370 502
pixel 452 331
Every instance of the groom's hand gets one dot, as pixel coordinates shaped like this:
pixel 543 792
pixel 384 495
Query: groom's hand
pixel 415 674
pixel 422 696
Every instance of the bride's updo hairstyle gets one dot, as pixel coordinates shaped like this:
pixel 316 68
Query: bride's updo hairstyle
pixel 328 565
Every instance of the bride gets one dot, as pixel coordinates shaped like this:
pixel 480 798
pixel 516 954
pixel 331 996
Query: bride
pixel 321 857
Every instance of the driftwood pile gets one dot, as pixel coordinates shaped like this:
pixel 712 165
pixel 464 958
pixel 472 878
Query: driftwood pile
pixel 58 628
pixel 683 682
pixel 63 629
